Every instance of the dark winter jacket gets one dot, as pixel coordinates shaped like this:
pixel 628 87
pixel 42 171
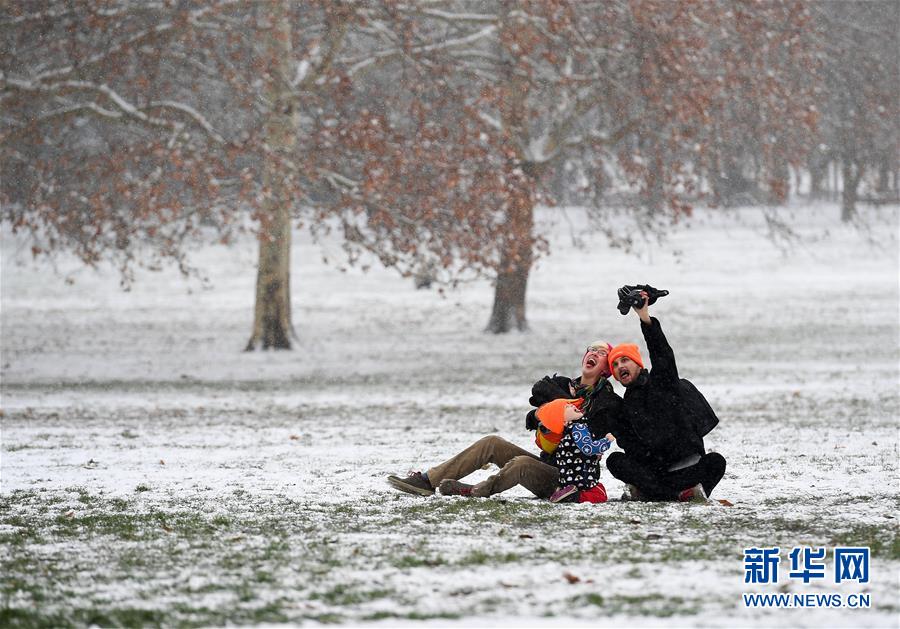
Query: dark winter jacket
pixel 600 407
pixel 656 423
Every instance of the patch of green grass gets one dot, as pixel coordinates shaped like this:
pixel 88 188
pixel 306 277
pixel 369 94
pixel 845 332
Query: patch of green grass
pixel 882 541
pixel 85 498
pixel 343 594
pixel 637 605
pixel 124 617
pixel 782 525
pixel 479 558
pixel 779 501
pixel 221 521
pixel 17 539
pixel 685 551
pixel 115 519
pixel 263 576
pixel 19 447
pixel 591 598
pixel 276 548
pixel 383 615
pixel 417 561
pixel 269 613
pixel 119 504
pixel 491 512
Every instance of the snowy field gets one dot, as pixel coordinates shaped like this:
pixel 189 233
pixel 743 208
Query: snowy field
pixel 153 473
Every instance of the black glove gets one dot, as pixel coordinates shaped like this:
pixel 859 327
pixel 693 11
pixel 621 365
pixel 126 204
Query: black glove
pixel 546 390
pixel 630 296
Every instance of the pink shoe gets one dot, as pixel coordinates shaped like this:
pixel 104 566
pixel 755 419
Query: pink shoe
pixel 563 493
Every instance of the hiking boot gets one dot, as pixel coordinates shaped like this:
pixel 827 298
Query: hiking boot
pixel 450 487
pixel 693 494
pixel 631 493
pixel 416 483
pixel 565 494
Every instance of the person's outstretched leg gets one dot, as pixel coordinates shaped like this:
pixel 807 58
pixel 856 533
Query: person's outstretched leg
pixel 490 449
pixel 527 470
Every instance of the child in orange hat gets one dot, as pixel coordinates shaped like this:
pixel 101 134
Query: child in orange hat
pixel 578 458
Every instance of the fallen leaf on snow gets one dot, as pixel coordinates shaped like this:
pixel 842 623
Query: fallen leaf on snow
pixel 161 462
pixel 295 437
pixel 526 536
pixel 571 578
pixel 634 521
pixel 70 514
pixel 725 503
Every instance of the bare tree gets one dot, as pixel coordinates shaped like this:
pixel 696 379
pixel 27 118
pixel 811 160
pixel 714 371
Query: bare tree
pixel 129 130
pixel 763 117
pixel 626 88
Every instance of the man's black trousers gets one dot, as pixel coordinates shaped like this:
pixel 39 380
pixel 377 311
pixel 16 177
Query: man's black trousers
pixel 663 485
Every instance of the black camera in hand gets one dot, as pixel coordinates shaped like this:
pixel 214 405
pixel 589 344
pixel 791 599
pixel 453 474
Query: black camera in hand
pixel 630 296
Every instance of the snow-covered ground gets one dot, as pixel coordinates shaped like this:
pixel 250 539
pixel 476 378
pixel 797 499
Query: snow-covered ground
pixel 152 472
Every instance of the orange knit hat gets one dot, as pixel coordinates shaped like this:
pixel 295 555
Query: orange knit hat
pixel 629 350
pixel 552 414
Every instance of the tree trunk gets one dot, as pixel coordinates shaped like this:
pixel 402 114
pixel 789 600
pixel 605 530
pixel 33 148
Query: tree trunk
pixel 851 176
pixel 272 316
pixel 817 175
pixel 779 182
pixel 517 255
pixel 818 163
pixel 512 277
pixel 654 195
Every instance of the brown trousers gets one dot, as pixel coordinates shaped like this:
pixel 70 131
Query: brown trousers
pixel 517 467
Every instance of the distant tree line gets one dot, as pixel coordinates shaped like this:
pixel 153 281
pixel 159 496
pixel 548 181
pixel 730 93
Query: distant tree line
pixel 426 132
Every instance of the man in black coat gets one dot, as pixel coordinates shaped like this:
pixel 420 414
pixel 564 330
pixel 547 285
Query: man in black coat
pixel 661 424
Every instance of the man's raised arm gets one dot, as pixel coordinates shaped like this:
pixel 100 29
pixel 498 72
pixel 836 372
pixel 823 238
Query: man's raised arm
pixel 664 368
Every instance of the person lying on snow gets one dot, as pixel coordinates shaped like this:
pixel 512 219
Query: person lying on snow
pixel 538 473
pixel 661 425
